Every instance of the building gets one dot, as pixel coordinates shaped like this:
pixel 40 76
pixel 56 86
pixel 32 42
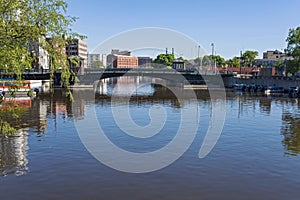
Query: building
pixel 144 61
pixel 265 62
pixel 118 52
pixel 178 65
pixel 273 54
pixel 78 50
pixel 125 62
pixel 41 56
pixel 92 58
pixel 112 56
pixel 55 44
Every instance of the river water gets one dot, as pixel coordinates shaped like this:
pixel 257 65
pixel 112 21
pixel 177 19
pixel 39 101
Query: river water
pixel 256 156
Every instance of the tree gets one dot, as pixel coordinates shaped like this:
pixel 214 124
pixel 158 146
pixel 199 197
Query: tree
pixel 292 66
pixel 220 61
pixel 97 64
pixel 249 58
pixel 25 24
pixel 278 66
pixel 207 60
pixel 234 62
pixel 198 61
pixel 210 60
pixel 293 49
pixel 165 59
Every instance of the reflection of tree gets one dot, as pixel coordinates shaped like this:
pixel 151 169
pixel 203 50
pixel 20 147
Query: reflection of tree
pixel 291 132
pixel 265 105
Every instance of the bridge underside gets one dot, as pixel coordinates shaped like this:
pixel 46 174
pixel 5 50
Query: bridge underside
pixel 193 79
pixel 185 77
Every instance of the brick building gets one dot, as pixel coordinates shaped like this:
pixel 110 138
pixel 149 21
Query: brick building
pixel 121 61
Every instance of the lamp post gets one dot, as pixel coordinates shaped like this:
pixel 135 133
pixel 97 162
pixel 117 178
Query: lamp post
pixel 212 53
pixel 241 52
pixel 285 74
pixel 200 67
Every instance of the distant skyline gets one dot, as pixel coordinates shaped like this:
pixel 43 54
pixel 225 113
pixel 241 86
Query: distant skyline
pixel 232 25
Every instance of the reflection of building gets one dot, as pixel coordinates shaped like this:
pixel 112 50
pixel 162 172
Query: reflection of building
pixel 265 105
pixel 13 152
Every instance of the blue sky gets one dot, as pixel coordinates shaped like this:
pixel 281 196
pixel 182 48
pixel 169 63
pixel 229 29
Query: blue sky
pixel 232 25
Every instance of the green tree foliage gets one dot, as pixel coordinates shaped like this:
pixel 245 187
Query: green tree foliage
pixel 279 66
pixel 9 113
pixel 292 66
pixel 165 59
pixel 220 61
pixel 25 25
pixel 293 49
pixel 97 64
pixel 183 59
pixel 198 61
pixel 234 62
pixel 249 58
pixel 210 60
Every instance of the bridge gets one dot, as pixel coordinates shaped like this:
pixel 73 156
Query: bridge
pixel 178 76
pixel 90 76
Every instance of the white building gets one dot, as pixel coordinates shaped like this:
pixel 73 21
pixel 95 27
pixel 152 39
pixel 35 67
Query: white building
pixel 96 57
pixel 43 59
pixel 41 55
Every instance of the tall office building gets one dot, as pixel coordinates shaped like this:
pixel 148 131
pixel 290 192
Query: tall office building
pixel 78 50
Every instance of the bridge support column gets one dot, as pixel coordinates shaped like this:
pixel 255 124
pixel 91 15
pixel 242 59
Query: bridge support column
pixel 45 85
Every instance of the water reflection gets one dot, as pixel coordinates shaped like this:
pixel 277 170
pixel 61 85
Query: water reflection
pixel 291 128
pixel 13 155
pixel 56 106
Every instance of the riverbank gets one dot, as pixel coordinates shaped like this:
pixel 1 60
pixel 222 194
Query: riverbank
pixel 283 82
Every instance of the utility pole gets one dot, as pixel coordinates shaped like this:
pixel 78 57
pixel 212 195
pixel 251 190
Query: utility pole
pixel 212 54
pixel 198 52
pixel 241 52
pixel 199 57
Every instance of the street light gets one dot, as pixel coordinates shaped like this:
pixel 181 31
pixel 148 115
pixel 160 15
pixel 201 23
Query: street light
pixel 212 53
pixel 199 68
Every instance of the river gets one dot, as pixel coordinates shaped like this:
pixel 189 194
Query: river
pixel 256 156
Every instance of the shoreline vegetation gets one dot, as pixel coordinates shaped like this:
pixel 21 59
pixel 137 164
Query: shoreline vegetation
pixel 24 26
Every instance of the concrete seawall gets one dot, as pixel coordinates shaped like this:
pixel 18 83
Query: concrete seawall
pixel 269 81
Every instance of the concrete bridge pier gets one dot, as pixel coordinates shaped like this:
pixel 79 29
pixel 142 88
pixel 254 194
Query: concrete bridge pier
pixel 46 86
pixel 100 87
